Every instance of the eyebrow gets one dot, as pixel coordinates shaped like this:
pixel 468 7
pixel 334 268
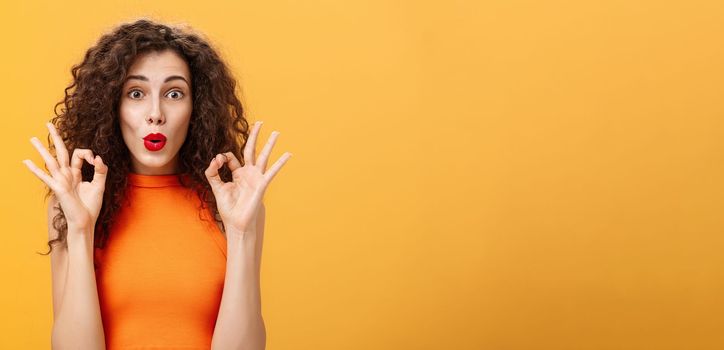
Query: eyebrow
pixel 170 78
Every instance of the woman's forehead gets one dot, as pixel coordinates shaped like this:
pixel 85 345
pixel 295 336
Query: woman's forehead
pixel 157 66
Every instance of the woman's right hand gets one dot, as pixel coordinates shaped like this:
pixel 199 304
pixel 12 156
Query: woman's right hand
pixel 80 201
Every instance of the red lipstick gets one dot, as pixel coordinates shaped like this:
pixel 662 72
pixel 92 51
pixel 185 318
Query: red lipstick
pixel 154 142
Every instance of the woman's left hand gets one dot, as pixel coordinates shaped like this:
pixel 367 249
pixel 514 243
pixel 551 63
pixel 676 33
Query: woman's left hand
pixel 239 200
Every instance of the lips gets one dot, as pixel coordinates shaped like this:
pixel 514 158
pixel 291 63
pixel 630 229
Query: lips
pixel 154 142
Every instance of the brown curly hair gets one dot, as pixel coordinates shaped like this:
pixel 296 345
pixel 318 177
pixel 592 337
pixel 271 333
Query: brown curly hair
pixel 89 117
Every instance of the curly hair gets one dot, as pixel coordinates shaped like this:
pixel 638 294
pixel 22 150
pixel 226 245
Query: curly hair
pixel 89 117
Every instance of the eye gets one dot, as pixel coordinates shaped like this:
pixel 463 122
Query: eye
pixel 135 94
pixel 175 94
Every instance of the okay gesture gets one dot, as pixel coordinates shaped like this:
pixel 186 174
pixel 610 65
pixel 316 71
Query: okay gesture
pixel 239 200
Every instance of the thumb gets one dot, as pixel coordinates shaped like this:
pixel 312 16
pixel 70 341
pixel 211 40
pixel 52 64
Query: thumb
pixel 101 170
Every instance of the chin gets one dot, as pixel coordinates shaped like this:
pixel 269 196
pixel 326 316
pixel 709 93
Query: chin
pixel 153 160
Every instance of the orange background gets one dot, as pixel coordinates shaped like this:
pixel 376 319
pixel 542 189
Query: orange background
pixel 466 174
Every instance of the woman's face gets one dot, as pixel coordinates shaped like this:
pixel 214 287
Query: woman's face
pixel 155 110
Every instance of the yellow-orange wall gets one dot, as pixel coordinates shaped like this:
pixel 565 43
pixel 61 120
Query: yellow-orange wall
pixel 466 174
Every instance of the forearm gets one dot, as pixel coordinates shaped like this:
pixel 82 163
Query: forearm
pixel 240 324
pixel 78 324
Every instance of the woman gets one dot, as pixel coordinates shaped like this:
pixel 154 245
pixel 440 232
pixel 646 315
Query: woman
pixel 153 242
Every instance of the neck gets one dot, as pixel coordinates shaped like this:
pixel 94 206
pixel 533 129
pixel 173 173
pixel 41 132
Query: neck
pixel 169 168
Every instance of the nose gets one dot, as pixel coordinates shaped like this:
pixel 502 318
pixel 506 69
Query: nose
pixel 155 116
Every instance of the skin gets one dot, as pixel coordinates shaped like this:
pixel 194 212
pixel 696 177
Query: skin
pixel 156 104
pixel 156 98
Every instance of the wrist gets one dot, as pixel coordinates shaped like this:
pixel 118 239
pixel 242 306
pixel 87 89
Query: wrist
pixel 241 241
pixel 240 234
pixel 80 237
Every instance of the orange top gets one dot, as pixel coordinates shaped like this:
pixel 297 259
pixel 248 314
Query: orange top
pixel 161 274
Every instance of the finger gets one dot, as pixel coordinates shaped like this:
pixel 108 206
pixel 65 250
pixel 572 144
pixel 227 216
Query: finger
pixel 250 147
pixel 47 179
pixel 276 166
pixel 76 162
pixel 50 162
pixel 232 161
pixel 264 155
pixel 212 173
pixel 60 151
pixel 100 173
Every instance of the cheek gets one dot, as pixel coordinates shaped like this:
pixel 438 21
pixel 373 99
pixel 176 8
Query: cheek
pixel 130 118
pixel 181 110
pixel 179 118
pixel 131 111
